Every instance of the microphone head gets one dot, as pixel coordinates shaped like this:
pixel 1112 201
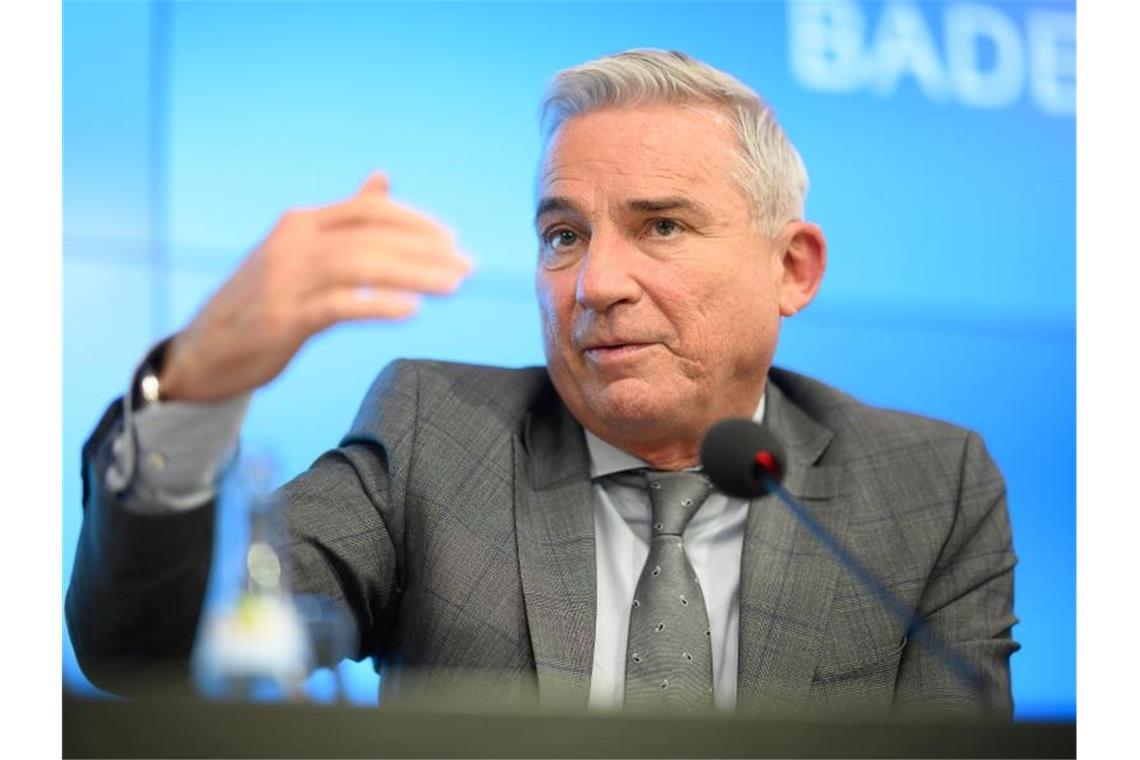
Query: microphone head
pixel 738 453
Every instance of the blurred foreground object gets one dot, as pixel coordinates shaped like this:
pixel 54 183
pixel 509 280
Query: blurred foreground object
pixel 256 640
pixel 251 642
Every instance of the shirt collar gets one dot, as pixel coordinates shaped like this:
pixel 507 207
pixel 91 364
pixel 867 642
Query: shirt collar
pixel 606 459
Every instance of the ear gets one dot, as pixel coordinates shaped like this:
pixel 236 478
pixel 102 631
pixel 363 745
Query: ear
pixel 804 258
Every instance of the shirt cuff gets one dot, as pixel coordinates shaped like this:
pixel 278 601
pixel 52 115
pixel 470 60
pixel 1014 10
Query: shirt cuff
pixel 169 455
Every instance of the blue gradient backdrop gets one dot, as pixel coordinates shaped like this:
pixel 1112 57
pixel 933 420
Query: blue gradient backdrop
pixel 189 127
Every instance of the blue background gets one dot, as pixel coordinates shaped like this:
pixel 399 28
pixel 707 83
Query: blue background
pixel 190 127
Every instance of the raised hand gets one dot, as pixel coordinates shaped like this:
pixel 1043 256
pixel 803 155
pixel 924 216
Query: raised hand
pixel 365 258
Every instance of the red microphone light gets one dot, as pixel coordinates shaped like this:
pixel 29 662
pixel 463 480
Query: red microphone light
pixel 765 459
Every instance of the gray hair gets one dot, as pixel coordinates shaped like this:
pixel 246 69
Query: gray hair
pixel 770 171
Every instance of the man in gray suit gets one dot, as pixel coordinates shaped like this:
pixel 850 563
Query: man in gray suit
pixel 485 520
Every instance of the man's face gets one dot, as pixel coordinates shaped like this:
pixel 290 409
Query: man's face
pixel 659 295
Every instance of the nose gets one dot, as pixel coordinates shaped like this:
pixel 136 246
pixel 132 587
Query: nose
pixel 606 273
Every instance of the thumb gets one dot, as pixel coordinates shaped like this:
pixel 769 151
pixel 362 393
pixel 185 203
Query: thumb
pixel 376 183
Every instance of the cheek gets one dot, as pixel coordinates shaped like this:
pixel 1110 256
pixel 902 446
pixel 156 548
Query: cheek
pixel 737 308
pixel 554 308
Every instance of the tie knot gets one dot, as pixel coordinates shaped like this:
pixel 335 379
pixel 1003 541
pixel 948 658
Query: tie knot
pixel 675 497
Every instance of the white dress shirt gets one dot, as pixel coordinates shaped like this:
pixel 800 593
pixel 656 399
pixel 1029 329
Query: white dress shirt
pixel 713 540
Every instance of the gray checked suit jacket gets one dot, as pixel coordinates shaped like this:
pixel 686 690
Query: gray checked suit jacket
pixel 455 523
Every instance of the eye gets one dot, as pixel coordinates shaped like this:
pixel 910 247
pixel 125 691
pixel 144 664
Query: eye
pixel 560 246
pixel 665 228
pixel 561 238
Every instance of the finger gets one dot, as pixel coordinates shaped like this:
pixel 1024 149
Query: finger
pixel 355 304
pixel 373 209
pixel 362 208
pixel 376 184
pixel 434 248
pixel 365 267
pixel 369 202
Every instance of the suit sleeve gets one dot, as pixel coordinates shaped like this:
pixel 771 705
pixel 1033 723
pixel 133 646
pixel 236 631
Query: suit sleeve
pixel 968 602
pixel 140 576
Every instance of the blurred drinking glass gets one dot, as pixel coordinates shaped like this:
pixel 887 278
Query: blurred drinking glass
pixel 252 643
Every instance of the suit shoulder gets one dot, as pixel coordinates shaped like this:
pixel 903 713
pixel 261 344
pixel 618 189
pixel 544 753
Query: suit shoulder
pixel 462 393
pixel 861 430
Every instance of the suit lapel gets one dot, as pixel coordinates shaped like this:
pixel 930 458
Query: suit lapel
pixel 554 517
pixel 787 579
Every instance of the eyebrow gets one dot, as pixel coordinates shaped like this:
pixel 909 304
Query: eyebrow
pixel 645 205
pixel 556 203
pixel 670 203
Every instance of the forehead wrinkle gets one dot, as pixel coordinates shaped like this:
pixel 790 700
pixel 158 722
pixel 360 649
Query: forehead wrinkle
pixel 592 172
pixel 553 164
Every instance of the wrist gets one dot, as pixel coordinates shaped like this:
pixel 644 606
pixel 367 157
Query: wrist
pixel 147 387
pixel 174 377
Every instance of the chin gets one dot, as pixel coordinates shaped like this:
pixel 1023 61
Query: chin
pixel 635 404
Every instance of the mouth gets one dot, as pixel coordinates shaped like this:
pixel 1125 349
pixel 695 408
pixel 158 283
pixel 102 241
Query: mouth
pixel 615 352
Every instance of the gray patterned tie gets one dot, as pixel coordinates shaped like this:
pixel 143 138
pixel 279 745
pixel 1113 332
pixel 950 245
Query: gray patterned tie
pixel 669 655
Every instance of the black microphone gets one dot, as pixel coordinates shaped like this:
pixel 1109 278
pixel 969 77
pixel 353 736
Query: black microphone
pixel 740 456
pixel 746 460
